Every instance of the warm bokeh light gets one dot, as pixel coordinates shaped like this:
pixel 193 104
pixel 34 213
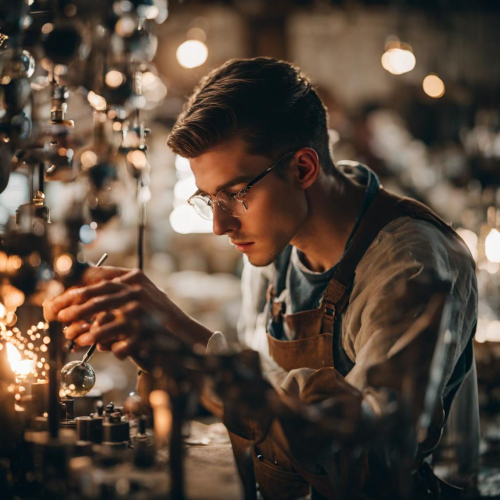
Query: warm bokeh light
pixel 488 331
pixel 159 400
pixel 13 353
pixel 183 167
pixel 137 158
pixel 184 188
pixel 433 86
pixel 21 367
pixel 192 54
pixel 197 34
pixel 24 367
pixel 153 89
pixel 10 263
pixel 148 79
pixel 15 262
pixel 13 297
pixel 88 159
pixel 125 26
pixel 63 264
pixel 492 246
pixel 184 220
pixel 96 101
pixel 493 331
pixel 47 28
pixel 471 240
pixel 114 78
pixel 398 61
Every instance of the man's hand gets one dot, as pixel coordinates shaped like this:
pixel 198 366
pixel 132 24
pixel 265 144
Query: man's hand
pixel 116 308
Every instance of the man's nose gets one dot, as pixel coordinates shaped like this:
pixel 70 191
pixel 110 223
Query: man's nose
pixel 223 223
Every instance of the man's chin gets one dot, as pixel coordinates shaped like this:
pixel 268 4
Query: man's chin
pixel 261 260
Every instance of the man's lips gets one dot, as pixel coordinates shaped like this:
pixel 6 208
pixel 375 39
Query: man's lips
pixel 242 245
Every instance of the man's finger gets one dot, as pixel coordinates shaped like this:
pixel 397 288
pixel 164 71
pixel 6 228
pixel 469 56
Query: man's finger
pixel 76 329
pixel 133 277
pixel 80 295
pixel 123 348
pixel 106 343
pixel 50 309
pixel 126 322
pixel 103 318
pixel 100 334
pixel 102 273
pixel 98 304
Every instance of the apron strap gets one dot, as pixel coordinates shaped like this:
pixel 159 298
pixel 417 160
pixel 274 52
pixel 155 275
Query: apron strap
pixel 384 208
pixel 380 212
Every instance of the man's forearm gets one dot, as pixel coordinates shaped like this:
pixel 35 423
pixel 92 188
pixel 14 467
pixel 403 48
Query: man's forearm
pixel 186 327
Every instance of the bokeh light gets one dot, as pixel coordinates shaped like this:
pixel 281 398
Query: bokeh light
pixel 88 159
pixel 63 264
pixel 192 53
pixel 114 78
pixel 471 240
pixel 433 86
pixel 96 101
pixel 398 61
pixel 184 220
pixel 492 246
pixel 137 158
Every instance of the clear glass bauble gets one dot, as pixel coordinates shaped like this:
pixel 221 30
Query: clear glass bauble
pixel 77 379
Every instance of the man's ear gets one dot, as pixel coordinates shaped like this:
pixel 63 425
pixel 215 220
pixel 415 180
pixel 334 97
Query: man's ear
pixel 307 169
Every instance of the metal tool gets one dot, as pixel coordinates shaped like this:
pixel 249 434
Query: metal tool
pixel 92 348
pixel 90 352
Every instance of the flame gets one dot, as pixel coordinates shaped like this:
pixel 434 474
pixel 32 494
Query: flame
pixel 13 353
pixel 21 367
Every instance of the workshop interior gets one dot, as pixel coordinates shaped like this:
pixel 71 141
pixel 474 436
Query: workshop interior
pixel 89 92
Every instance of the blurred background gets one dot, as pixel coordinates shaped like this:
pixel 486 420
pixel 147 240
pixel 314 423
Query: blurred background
pixel 412 90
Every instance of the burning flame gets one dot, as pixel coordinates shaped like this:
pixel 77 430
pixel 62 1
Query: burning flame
pixel 21 367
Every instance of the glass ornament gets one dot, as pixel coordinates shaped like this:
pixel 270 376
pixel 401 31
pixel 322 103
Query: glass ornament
pixel 77 378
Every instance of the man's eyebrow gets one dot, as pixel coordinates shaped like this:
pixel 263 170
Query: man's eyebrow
pixel 234 182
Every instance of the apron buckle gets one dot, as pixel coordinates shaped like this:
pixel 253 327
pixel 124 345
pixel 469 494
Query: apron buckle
pixel 330 311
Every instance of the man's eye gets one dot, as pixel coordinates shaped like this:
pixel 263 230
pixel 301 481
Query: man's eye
pixel 207 199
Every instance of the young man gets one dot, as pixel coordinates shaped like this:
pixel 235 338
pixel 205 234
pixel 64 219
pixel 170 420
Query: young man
pixel 342 286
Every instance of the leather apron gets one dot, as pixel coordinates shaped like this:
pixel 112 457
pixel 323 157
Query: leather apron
pixel 278 474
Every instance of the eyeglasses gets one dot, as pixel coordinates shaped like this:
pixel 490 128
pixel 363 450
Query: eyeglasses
pixel 231 203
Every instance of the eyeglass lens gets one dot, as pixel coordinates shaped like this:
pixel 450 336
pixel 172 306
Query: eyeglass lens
pixel 226 200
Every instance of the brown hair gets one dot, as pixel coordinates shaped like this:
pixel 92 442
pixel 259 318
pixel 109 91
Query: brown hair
pixel 268 103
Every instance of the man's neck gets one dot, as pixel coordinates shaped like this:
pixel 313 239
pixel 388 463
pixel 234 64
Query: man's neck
pixel 334 205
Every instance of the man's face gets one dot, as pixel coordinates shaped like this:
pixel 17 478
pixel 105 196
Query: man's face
pixel 277 207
